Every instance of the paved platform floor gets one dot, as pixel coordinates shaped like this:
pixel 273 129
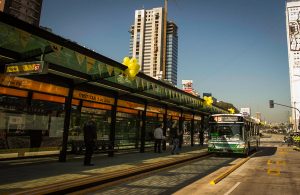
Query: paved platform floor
pixel 20 175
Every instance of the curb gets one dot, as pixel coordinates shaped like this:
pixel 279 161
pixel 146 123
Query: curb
pixel 296 148
pixel 230 170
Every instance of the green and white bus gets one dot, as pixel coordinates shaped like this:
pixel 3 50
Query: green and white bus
pixel 233 133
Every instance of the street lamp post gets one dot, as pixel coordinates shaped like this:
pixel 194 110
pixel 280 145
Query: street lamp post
pixel 272 103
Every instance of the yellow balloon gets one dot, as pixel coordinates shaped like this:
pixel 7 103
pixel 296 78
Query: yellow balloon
pixel 131 66
pixel 126 61
pixel 133 60
pixel 208 100
pixel 137 68
pixel 132 73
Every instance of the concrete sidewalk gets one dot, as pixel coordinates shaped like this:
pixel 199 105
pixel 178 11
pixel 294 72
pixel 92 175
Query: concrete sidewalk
pixel 29 176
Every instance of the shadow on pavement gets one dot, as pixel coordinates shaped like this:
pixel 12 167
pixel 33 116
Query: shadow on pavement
pixel 266 151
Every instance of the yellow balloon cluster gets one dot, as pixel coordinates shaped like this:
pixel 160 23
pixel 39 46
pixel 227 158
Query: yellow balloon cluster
pixel 231 110
pixel 133 67
pixel 208 100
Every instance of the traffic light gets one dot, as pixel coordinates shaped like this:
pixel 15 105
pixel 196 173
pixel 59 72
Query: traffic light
pixel 271 102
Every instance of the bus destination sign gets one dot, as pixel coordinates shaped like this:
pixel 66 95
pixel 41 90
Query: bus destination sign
pixel 226 118
pixel 26 68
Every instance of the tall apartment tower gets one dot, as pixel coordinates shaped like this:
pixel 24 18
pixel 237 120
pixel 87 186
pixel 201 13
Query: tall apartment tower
pixel 26 10
pixel 146 44
pixel 293 41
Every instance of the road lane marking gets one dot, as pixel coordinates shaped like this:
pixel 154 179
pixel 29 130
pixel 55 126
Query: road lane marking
pixel 275 172
pixel 281 162
pixel 232 188
pixel 231 169
pixel 269 162
pixel 282 153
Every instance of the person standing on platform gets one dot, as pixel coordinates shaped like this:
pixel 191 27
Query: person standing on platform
pixel 174 132
pixel 90 138
pixel 201 137
pixel 158 136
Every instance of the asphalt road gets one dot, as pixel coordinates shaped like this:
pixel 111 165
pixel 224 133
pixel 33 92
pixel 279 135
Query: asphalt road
pixel 275 169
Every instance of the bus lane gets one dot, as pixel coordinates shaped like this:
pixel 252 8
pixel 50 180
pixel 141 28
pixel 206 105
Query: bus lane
pixel 275 169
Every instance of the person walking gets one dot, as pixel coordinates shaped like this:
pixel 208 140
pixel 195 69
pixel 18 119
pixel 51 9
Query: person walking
pixel 175 134
pixel 201 136
pixel 158 137
pixel 90 138
pixel 289 140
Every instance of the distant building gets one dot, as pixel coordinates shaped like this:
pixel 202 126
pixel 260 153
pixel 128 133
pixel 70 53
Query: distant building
pixel 146 44
pixel 187 86
pixel 246 111
pixel 258 115
pixel 293 37
pixel 207 94
pixel 26 10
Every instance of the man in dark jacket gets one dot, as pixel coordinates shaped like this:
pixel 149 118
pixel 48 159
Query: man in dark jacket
pixel 175 135
pixel 90 138
pixel 201 137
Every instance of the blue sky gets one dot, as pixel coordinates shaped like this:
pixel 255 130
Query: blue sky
pixel 234 49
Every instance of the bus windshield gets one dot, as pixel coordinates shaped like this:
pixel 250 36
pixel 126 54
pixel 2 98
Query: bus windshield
pixel 226 132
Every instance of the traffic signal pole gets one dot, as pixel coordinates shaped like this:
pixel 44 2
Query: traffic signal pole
pixel 272 103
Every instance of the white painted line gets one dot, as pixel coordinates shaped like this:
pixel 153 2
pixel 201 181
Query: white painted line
pixel 233 187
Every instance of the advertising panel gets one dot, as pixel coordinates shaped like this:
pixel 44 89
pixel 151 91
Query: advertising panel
pixel 187 85
pixel 293 37
pixel 246 111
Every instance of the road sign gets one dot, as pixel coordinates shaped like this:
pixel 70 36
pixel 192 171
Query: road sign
pixel 26 68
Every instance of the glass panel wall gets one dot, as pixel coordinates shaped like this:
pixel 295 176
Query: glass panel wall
pixel 187 124
pixel 197 126
pixel 80 116
pixel 187 128
pixel 172 117
pixel 128 128
pixel 28 126
pixel 152 121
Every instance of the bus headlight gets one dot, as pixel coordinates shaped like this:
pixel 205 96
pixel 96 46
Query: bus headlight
pixel 210 145
pixel 241 145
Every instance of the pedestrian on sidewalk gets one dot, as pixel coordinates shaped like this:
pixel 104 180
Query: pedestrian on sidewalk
pixel 90 138
pixel 175 134
pixel 289 140
pixel 201 136
pixel 158 137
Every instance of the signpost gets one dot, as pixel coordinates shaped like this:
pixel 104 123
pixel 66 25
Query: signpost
pixel 26 68
pixel 271 105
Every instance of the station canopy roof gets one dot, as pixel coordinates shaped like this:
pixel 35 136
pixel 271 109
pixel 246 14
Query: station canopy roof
pixel 20 42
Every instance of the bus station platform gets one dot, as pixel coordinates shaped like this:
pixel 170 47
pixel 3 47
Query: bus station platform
pixel 47 175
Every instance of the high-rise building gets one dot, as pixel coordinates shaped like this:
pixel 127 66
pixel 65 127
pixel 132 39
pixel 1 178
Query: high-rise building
pixel 26 10
pixel 146 44
pixel 293 40
pixel 172 53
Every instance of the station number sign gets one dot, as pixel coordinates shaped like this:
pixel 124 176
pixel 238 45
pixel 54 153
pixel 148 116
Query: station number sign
pixel 26 68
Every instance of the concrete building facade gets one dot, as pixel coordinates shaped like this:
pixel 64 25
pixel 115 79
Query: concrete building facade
pixel 146 44
pixel 293 41
pixel 26 10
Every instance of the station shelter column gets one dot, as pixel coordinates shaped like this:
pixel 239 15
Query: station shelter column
pixel 192 130
pixel 181 120
pixel 68 107
pixel 143 129
pixel 165 119
pixel 112 134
